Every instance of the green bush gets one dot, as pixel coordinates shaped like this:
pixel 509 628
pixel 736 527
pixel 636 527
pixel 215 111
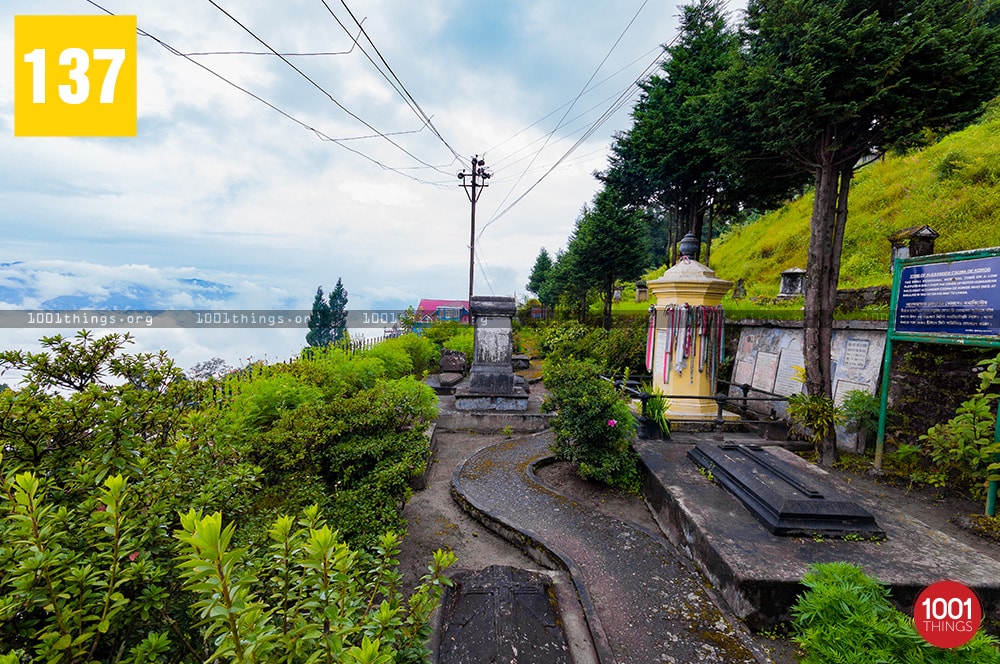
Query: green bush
pixel 397 361
pixel 594 426
pixel 815 415
pixel 962 451
pixel 421 350
pixel 442 331
pixel 102 450
pixel 614 351
pixel 463 342
pixel 845 616
pixel 308 598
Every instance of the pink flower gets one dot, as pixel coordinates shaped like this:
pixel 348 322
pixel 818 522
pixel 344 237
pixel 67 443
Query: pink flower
pixel 132 556
pixel 611 423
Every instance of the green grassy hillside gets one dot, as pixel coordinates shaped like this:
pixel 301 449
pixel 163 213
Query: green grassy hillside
pixel 953 186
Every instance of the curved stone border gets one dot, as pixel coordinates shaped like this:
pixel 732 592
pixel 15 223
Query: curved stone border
pixel 533 546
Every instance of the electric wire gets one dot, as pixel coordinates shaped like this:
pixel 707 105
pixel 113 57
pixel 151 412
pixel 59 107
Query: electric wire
pixel 624 98
pixel 354 42
pixel 580 159
pixel 484 270
pixel 582 115
pixel 658 50
pixel 324 91
pixel 578 96
pixel 401 90
pixel 318 133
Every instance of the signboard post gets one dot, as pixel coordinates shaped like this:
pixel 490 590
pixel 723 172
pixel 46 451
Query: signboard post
pixel 946 299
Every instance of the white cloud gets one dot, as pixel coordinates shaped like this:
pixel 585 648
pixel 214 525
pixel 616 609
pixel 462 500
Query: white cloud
pixel 219 187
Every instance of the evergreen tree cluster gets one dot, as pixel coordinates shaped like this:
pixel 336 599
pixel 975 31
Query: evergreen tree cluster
pixel 328 320
pixel 741 117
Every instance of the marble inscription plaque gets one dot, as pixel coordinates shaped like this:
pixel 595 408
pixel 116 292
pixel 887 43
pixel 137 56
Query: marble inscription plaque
pixel 845 386
pixel 764 371
pixel 743 372
pixel 856 353
pixel 785 382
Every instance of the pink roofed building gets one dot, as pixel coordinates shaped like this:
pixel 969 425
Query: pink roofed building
pixel 430 311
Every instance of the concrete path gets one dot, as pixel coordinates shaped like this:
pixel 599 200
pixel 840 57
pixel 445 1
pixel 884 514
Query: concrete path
pixel 644 602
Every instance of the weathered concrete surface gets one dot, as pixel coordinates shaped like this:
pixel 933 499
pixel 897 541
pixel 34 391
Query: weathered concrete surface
pixel 529 420
pixel 759 574
pixel 644 602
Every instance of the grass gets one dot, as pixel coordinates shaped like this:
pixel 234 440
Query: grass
pixel 953 186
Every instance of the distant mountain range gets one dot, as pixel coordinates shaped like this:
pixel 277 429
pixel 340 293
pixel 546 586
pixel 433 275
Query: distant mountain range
pixel 67 285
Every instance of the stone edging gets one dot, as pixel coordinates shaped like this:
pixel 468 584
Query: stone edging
pixel 533 546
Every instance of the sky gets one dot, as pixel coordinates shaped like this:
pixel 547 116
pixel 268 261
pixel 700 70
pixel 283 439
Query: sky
pixel 224 202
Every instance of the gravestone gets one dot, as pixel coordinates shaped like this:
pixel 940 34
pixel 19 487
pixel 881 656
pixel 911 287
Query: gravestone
pixel 641 292
pixel 769 358
pixel 785 499
pixel 452 361
pixel 492 384
pixel 792 283
pixel 501 614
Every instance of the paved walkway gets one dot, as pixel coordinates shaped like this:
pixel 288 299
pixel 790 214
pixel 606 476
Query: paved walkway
pixel 643 600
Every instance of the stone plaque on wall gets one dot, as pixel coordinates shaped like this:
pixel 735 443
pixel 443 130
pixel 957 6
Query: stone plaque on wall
pixel 842 387
pixel 743 372
pixel 764 371
pixel 775 351
pixel 790 363
pixel 856 353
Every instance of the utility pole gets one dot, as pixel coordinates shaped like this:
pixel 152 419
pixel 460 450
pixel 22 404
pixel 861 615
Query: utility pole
pixel 479 175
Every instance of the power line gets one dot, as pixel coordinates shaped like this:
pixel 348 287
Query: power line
pixel 621 101
pixel 324 91
pixel 584 114
pixel 568 109
pixel 401 90
pixel 607 78
pixel 354 42
pixel 318 133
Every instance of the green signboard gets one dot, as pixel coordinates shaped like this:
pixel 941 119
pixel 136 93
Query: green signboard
pixel 946 299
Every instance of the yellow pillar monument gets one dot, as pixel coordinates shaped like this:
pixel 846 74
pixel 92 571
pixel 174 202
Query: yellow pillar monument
pixel 687 333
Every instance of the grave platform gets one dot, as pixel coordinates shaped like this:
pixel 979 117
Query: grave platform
pixel 759 574
pixel 785 499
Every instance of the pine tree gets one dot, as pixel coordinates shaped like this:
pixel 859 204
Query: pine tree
pixel 540 272
pixel 319 321
pixel 338 312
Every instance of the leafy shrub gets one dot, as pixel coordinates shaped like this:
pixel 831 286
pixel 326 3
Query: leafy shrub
pixel 614 351
pixel 962 450
pixel 860 411
pixel 594 426
pixel 421 351
pixel 353 454
pixel 442 331
pixel 101 450
pixel 463 342
pixel 262 401
pixel 845 616
pixel 309 598
pixel 815 414
pixel 334 370
pixel 657 406
pixel 397 361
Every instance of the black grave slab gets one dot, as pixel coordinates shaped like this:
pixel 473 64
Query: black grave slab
pixel 785 499
pixel 501 614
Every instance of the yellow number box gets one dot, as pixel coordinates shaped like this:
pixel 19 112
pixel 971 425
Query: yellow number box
pixel 75 75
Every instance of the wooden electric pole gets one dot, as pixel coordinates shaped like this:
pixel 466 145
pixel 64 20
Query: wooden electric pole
pixel 479 175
